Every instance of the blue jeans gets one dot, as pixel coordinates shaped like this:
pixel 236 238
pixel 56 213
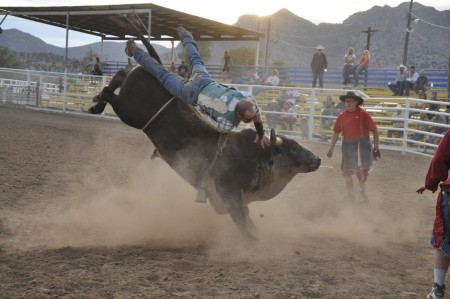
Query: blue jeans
pixel 186 90
pixel 398 87
pixel 317 74
pixel 357 71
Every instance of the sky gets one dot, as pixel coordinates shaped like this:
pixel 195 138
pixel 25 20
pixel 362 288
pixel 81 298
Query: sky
pixel 228 12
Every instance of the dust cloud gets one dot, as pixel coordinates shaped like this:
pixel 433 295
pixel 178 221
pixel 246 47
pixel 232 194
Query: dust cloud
pixel 134 201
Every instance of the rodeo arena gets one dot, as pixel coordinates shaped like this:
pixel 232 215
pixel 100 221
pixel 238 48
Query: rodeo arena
pixel 89 208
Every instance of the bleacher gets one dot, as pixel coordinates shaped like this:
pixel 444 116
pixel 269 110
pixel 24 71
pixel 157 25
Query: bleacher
pixel 46 90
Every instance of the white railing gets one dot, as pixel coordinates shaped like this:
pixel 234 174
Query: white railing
pixel 74 93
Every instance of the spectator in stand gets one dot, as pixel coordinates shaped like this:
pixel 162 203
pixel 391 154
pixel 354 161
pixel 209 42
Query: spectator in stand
pixel 129 66
pixel 183 70
pixel 273 80
pixel 411 79
pixel 293 94
pixel 399 86
pixel 431 139
pixel 304 128
pixel 349 60
pixel 288 119
pixel 419 105
pixel 447 110
pixel 228 61
pixel 420 127
pixel 396 123
pixel 272 118
pixel 91 65
pixel 97 71
pixel 362 66
pixel 329 109
pixel 255 77
pixel 340 107
pixel 421 84
pixel 171 68
pixel 433 106
pixel 319 65
pixel 439 119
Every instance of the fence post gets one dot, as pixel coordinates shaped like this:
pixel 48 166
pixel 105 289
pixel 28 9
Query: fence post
pixel 311 114
pixel 406 124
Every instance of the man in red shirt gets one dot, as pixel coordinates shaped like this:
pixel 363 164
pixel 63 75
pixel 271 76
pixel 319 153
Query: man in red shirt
pixel 438 172
pixel 355 124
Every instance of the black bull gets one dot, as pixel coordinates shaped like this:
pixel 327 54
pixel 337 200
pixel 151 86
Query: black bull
pixel 243 173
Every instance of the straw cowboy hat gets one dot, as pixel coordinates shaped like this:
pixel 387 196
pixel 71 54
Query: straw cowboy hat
pixel 401 66
pixel 320 47
pixel 352 95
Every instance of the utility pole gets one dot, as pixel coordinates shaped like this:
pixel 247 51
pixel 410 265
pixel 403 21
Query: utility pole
pixel 408 28
pixel 266 60
pixel 369 32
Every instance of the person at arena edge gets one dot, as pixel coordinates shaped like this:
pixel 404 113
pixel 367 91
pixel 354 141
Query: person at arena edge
pixel 355 124
pixel 437 173
pixel 319 65
pixel 226 106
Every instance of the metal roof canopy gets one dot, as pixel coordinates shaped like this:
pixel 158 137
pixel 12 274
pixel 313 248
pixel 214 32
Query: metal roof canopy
pixel 107 22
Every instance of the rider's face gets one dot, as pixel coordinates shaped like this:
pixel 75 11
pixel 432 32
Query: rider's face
pixel 248 116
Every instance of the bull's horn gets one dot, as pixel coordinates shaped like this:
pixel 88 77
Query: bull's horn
pixel 273 137
pixel 279 141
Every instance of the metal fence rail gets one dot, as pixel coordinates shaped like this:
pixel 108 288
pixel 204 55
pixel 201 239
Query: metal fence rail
pixel 74 93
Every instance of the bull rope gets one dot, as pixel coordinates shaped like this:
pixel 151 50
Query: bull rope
pixel 157 113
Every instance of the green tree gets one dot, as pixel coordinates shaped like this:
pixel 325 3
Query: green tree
pixel 243 56
pixel 278 63
pixel 9 60
pixel 89 57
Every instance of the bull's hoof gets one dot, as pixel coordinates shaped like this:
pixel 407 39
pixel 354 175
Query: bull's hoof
pixel 96 98
pixel 155 155
pixel 201 195
pixel 249 237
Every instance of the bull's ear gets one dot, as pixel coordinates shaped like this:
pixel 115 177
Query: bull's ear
pixel 273 137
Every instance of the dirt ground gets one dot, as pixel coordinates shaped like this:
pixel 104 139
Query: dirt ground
pixel 85 213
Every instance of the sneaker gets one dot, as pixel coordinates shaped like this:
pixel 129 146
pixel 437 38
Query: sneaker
pixel 180 29
pixel 201 195
pixel 182 32
pixel 130 48
pixel 437 291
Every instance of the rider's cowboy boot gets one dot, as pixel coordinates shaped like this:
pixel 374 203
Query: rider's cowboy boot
pixel 130 48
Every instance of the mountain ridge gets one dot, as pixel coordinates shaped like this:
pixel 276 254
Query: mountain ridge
pixel 293 39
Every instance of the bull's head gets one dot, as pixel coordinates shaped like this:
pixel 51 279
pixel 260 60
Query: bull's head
pixel 290 155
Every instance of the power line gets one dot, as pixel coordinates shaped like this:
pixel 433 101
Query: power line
pixel 443 27
pixel 324 36
pixel 305 47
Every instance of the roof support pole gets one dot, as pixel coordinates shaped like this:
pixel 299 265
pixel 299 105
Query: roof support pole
pixel 257 54
pixel 66 56
pixel 149 29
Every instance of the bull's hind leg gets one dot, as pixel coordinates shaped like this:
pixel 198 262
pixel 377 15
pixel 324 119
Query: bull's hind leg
pixel 107 93
pixel 238 211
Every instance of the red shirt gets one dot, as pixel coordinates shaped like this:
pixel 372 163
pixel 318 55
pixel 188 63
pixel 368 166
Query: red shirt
pixel 440 165
pixel 363 61
pixel 354 124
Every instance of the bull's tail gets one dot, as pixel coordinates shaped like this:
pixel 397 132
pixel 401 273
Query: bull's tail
pixel 131 20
